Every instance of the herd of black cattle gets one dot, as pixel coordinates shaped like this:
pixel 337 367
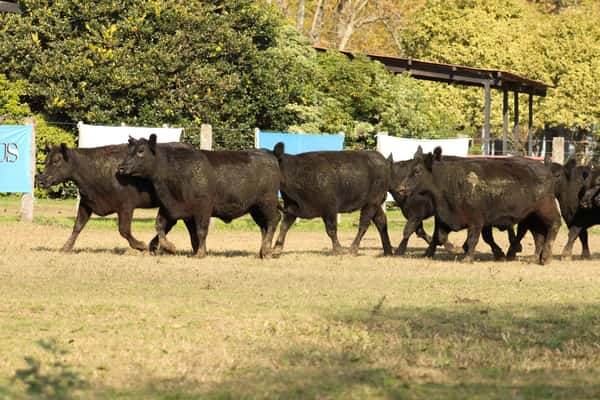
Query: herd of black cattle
pixel 195 185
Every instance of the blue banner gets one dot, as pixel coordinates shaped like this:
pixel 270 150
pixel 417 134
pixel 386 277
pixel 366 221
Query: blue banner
pixel 296 143
pixel 15 159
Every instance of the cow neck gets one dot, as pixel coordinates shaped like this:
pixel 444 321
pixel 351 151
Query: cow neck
pixel 441 205
pixel 161 178
pixel 83 168
pixel 564 200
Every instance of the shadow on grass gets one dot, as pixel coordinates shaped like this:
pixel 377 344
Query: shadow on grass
pixel 468 351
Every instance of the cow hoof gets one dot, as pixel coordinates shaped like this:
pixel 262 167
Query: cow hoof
pixel 468 259
pixel 353 251
pixel 265 256
pixel 499 257
pixel 586 256
pixel 533 259
pixel 545 260
pixel 277 250
pixel 400 251
pixel 66 249
pixel 141 246
pixel 511 257
pixel 566 257
pixel 153 246
pixel 167 246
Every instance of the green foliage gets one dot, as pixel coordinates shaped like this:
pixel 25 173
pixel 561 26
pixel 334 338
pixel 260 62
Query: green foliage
pixel 533 39
pixel 52 380
pixel 145 63
pixel 232 64
pixel 12 109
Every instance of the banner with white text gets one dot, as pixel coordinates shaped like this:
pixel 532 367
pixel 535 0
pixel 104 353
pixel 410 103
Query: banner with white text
pixel 15 158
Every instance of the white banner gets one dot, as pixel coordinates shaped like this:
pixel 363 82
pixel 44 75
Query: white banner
pixel 404 148
pixel 98 135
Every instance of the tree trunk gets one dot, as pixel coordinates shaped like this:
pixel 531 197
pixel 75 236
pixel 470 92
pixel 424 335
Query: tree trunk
pixel 300 16
pixel 315 30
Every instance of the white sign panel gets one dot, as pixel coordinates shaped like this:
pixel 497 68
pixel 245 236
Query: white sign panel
pixel 98 135
pixel 404 148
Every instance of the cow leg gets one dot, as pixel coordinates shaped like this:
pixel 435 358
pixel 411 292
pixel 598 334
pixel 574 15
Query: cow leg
pixel 553 225
pixel 162 224
pixel 380 221
pixel 488 237
pixel 125 217
pixel 585 249
pixel 190 224
pixel 422 234
pixel 574 232
pixel 367 213
pixel 538 239
pixel 473 234
pixel 512 236
pixel 286 224
pixel 331 228
pixel 202 223
pixel 438 232
pixel 411 226
pixel 515 244
pixel 83 216
pixel 266 218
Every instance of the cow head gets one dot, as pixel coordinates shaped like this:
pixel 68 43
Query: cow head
pixel 591 195
pixel 419 177
pixel 58 167
pixel 141 157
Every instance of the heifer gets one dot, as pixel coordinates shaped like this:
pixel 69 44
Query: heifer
pixel 569 181
pixel 325 183
pixel 200 184
pixel 476 193
pixel 101 190
pixel 591 196
pixel 418 207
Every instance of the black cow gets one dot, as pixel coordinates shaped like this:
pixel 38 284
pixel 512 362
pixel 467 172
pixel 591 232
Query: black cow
pixel 476 193
pixel 101 191
pixel 591 196
pixel 325 183
pixel 569 190
pixel 418 207
pixel 200 184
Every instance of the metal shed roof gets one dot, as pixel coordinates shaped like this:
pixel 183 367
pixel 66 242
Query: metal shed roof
pixel 7 7
pixel 459 74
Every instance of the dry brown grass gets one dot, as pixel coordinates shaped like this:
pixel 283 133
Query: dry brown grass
pixel 305 325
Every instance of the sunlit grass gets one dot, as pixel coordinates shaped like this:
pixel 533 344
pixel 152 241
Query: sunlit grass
pixel 305 325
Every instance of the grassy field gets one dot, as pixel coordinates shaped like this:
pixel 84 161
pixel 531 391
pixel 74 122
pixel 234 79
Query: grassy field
pixel 114 323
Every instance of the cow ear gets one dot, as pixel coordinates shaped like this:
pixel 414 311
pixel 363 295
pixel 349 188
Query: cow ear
pixel 429 161
pixel 391 158
pixel 419 152
pixel 437 153
pixel 152 142
pixel 131 140
pixel 64 150
pixel 48 147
